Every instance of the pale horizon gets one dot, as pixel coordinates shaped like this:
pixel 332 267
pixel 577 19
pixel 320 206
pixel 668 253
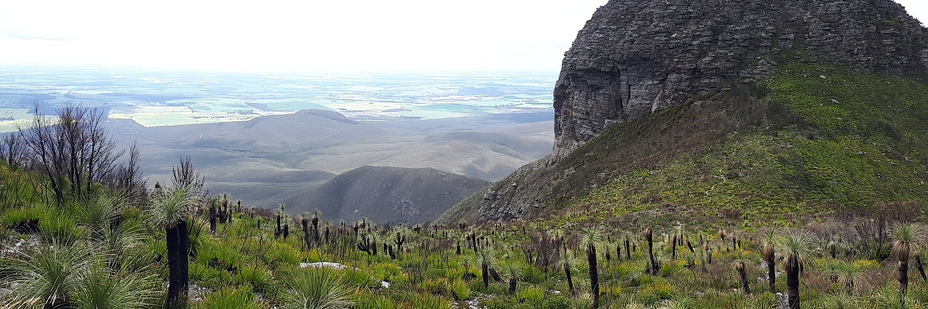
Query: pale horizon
pixel 299 36
pixel 293 36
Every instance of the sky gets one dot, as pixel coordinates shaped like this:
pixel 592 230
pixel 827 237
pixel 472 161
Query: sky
pixel 299 36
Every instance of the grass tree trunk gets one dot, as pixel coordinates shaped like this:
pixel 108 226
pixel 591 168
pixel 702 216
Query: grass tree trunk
pixel 920 266
pixel 174 277
pixel 212 218
pixel 628 249
pixel 903 269
pixel 484 266
pixel 570 278
pixel 306 240
pixel 769 257
pixel 512 284
pixel 278 231
pixel 184 257
pixel 594 272
pixel 743 273
pixel 792 281
pixel 648 236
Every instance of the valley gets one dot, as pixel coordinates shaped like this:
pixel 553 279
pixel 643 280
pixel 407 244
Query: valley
pixel 265 140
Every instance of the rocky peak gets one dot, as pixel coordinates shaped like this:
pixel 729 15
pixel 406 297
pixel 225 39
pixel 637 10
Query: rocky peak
pixel 636 56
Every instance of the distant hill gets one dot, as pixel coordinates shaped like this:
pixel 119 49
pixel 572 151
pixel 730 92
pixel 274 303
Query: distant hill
pixel 266 159
pixel 386 195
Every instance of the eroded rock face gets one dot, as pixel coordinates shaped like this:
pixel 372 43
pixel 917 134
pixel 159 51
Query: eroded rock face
pixel 636 56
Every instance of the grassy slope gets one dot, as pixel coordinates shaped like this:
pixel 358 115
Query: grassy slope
pixel 813 139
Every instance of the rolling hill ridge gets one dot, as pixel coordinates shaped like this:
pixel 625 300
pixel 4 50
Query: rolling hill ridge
pixel 386 195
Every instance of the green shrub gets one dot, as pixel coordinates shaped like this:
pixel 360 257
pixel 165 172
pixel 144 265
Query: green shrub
pixel 256 276
pixel 532 275
pixel 361 278
pixel 217 255
pixel 496 302
pixel 316 288
pixel 654 292
pixel 460 290
pixel 230 297
pixel 558 302
pixel 60 229
pixel 373 302
pixel 531 295
pixel 25 219
pixel 429 301
pixel 282 253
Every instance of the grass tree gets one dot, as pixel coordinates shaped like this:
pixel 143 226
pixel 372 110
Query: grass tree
pixel 648 235
pixel 486 259
pixel 743 274
pixel 48 276
pixel 848 274
pixel 127 287
pixel 769 258
pixel 920 266
pixel 838 300
pixel 565 261
pixel 512 269
pixel 170 209
pixel 798 246
pixel 100 214
pixel 316 288
pixel 590 240
pixel 905 238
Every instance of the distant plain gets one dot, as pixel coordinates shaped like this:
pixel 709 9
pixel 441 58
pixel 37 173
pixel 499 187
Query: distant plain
pixel 263 138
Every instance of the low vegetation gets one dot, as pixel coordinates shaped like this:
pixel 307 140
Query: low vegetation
pixel 804 191
pixel 360 265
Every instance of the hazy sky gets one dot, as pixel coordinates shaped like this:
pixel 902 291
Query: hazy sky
pixel 307 35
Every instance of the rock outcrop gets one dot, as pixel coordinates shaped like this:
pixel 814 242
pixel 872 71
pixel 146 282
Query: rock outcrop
pixel 636 56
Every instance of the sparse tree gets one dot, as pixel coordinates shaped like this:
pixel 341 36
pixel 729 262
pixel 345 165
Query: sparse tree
pixel 171 208
pixel 74 150
pixel 798 247
pixel 769 258
pixel 13 150
pixel 186 176
pixel 591 260
pixel 127 177
pixel 905 239
pixel 649 237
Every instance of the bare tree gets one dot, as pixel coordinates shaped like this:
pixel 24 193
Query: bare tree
pixel 127 178
pixel 47 149
pixel 13 150
pixel 185 175
pixel 101 153
pixel 74 150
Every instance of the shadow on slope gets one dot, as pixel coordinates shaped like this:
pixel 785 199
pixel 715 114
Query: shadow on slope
pixel 386 195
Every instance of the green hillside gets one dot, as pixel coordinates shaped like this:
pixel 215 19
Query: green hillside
pixel 675 210
pixel 816 138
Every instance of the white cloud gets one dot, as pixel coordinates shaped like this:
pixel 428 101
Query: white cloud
pixel 294 35
pixel 309 35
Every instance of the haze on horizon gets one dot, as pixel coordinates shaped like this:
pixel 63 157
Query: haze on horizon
pixel 299 36
pixel 293 36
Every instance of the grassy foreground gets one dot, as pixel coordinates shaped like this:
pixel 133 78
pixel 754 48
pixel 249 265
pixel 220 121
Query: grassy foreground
pixel 816 171
pixel 88 261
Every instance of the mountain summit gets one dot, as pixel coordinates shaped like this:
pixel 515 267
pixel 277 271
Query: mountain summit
pixel 723 109
pixel 634 57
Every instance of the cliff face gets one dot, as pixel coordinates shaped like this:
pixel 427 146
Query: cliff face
pixel 635 56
